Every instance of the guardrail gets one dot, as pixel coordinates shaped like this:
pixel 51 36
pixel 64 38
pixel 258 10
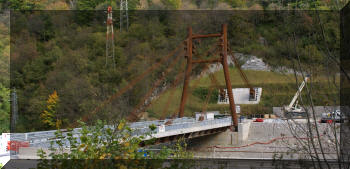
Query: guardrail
pixel 197 124
pixel 43 138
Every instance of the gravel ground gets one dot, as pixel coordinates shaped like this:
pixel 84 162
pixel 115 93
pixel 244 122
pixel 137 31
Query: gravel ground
pixel 278 111
pixel 276 137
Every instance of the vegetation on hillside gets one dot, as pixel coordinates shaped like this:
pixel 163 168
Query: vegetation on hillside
pixel 64 51
pixel 4 73
pixel 177 4
pixel 58 66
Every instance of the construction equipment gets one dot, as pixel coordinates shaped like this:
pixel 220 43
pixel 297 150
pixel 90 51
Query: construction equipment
pixel 293 109
pixel 335 116
pixel 259 120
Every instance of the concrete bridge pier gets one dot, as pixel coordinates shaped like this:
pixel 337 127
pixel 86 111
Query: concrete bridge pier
pixel 226 138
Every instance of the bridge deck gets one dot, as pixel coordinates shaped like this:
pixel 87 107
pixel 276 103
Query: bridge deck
pixel 180 126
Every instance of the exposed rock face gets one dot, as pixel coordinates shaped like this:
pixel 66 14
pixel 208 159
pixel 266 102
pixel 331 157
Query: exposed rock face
pixel 250 62
pixel 255 63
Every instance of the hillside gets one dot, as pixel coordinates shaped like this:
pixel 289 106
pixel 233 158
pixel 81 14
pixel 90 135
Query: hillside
pixel 175 4
pixel 61 54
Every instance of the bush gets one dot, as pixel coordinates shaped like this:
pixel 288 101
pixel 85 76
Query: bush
pixel 203 92
pixel 107 143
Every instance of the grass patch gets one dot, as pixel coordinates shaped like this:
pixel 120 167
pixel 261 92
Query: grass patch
pixel 278 90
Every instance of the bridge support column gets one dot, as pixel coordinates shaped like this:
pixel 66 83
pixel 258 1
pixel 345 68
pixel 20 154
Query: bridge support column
pixel 227 76
pixel 234 138
pixel 187 73
pixel 226 138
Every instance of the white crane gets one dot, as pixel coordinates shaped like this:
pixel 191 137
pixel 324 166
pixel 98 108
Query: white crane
pixel 293 107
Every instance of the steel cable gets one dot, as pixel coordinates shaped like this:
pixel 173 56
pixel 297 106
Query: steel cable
pixel 138 108
pixel 130 85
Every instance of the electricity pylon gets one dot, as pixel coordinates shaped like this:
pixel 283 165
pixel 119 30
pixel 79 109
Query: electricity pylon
pixel 110 38
pixel 124 14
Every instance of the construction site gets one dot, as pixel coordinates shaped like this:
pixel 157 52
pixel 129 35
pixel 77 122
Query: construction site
pixel 219 128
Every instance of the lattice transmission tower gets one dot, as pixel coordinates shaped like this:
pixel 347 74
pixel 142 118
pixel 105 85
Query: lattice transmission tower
pixel 110 38
pixel 14 114
pixel 124 14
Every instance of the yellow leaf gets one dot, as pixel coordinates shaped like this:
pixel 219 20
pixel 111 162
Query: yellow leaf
pixel 102 156
pixel 121 125
pixel 58 124
pixel 126 144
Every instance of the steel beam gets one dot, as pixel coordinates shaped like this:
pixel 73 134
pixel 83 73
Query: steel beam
pixel 206 36
pixel 187 73
pixel 227 76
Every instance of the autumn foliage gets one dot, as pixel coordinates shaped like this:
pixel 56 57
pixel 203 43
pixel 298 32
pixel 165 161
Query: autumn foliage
pixel 49 116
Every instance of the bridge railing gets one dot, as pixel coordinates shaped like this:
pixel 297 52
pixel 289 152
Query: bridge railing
pixel 43 138
pixel 197 124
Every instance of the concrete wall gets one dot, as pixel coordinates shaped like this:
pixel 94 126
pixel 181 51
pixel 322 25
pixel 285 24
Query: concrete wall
pixel 241 96
pixel 219 139
pixel 243 130
pixel 227 138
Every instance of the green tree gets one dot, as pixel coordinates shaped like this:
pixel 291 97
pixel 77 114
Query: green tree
pixel 4 52
pixel 235 3
pixel 4 109
pixel 89 5
pixel 172 4
pixel 24 4
pixel 109 143
pixel 4 73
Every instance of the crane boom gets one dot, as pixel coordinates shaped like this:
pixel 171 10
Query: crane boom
pixel 298 93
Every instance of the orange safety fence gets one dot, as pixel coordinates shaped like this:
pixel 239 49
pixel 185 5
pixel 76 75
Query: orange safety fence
pixel 15 145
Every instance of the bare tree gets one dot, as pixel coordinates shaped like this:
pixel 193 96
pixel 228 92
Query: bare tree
pixel 319 142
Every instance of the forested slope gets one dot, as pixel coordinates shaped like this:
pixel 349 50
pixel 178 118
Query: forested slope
pixel 64 51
